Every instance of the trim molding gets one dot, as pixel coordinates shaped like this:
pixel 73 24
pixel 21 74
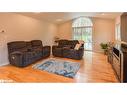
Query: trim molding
pixel 3 64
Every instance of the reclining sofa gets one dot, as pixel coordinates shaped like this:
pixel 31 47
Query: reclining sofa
pixel 66 49
pixel 21 53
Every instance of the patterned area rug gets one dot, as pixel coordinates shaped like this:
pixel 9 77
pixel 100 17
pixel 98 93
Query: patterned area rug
pixel 60 67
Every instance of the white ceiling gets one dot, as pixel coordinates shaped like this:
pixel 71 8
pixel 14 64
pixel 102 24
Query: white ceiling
pixel 66 16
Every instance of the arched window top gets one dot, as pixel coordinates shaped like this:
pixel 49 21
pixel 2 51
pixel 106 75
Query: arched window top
pixel 82 22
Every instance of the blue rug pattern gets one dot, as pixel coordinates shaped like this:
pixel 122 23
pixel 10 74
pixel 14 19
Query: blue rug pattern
pixel 60 67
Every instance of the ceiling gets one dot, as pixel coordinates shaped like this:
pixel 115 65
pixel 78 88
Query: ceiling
pixel 61 17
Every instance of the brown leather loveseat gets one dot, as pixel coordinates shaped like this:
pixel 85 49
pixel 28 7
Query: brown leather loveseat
pixel 65 48
pixel 22 53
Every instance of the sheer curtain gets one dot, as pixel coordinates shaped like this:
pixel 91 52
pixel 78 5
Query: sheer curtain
pixel 82 30
pixel 117 32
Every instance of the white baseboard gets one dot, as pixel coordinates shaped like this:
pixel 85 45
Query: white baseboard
pixel 3 64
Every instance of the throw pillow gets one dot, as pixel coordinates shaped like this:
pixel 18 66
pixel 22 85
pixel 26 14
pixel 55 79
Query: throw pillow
pixel 81 42
pixel 77 46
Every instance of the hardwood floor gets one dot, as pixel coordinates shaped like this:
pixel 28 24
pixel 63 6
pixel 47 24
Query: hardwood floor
pixel 94 68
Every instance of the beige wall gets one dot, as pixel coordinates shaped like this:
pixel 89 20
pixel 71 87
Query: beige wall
pixel 18 27
pixel 117 20
pixel 65 30
pixel 103 31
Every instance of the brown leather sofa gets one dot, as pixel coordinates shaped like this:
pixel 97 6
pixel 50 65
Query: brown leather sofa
pixel 66 49
pixel 21 53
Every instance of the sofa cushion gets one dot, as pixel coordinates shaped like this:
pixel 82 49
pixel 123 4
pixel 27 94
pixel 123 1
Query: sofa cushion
pixel 73 43
pixel 17 46
pixel 36 43
pixel 62 43
pixel 28 45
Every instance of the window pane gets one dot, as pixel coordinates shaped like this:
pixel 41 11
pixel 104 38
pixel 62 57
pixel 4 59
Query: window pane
pixel 82 21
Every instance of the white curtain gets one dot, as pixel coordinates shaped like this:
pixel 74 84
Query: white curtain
pixel 82 30
pixel 85 34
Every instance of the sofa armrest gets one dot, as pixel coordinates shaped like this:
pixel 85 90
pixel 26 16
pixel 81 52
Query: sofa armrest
pixel 15 58
pixel 80 52
pixel 24 55
pixel 81 48
pixel 77 54
pixel 46 51
pixel 14 55
pixel 46 47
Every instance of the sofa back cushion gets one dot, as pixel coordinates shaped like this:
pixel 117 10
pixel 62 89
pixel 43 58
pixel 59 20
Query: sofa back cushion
pixel 62 43
pixel 36 43
pixel 16 46
pixel 70 43
pixel 73 43
pixel 29 45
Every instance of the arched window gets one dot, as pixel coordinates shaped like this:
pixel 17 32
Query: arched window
pixel 82 22
pixel 82 30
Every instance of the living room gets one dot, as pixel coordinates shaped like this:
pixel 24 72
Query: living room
pixel 49 28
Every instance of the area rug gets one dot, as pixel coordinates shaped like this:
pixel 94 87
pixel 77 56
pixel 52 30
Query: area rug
pixel 60 67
